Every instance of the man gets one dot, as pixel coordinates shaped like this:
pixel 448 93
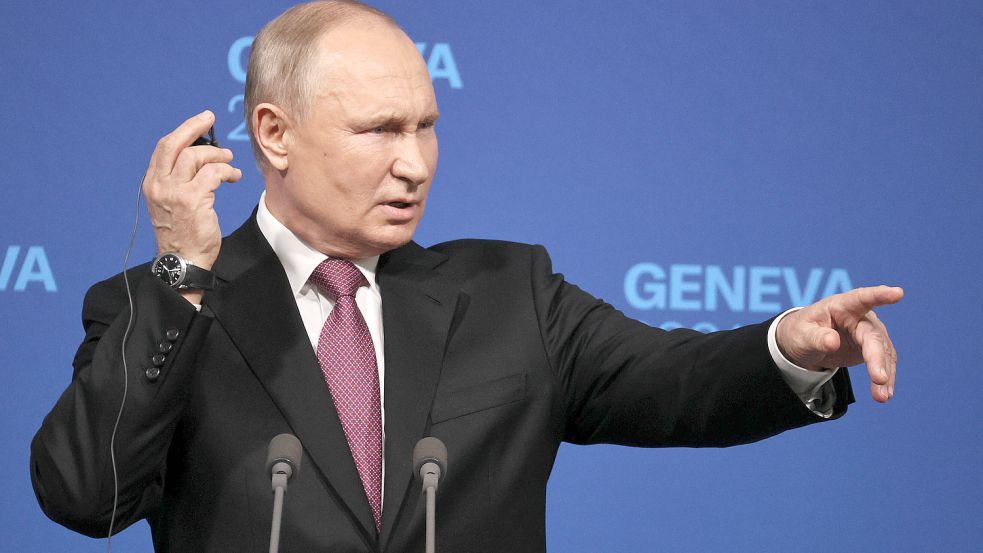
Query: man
pixel 321 318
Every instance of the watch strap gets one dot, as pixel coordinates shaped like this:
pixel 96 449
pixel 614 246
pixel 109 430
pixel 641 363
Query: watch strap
pixel 197 278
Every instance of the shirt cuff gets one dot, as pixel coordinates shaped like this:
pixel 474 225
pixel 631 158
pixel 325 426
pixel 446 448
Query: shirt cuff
pixel 810 386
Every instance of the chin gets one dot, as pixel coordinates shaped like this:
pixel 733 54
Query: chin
pixel 391 238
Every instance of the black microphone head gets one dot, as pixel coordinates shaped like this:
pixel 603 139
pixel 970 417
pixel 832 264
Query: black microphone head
pixel 284 448
pixel 430 450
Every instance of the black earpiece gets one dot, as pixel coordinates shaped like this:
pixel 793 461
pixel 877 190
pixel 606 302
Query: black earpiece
pixel 210 141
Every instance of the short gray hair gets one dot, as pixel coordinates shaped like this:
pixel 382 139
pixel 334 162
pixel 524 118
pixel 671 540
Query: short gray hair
pixel 281 62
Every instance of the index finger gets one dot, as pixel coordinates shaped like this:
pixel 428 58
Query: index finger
pixel 862 300
pixel 168 147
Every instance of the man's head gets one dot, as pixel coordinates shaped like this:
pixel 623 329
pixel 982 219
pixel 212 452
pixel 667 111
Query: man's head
pixel 340 110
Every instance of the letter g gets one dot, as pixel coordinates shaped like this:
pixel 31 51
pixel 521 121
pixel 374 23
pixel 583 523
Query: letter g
pixel 645 286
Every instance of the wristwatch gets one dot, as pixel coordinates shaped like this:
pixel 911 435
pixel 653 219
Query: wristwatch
pixel 180 273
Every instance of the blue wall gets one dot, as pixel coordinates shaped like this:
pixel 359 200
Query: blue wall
pixel 743 157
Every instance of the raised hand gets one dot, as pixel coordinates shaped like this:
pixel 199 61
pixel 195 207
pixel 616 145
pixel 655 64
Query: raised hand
pixel 843 330
pixel 180 189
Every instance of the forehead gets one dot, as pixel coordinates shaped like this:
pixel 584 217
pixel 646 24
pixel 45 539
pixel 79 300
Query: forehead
pixel 368 66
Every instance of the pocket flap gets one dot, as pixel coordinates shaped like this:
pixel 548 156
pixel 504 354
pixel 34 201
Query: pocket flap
pixel 472 398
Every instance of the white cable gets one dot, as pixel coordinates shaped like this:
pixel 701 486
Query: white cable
pixel 126 378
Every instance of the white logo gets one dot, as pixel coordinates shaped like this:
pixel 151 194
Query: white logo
pixel 741 289
pixel 33 268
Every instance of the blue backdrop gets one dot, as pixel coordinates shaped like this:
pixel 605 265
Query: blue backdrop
pixel 744 157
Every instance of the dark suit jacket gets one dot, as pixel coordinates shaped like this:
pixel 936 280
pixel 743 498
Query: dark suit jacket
pixel 485 348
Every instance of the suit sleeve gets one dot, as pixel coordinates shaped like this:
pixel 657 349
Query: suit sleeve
pixel 70 455
pixel 627 383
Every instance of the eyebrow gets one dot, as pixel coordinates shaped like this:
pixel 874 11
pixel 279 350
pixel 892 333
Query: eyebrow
pixel 386 119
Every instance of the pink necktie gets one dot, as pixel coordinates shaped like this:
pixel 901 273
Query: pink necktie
pixel 347 358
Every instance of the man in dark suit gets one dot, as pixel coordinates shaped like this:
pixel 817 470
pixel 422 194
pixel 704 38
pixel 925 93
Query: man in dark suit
pixel 478 343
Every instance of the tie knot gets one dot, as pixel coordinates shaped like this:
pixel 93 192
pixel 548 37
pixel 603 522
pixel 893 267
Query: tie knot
pixel 338 277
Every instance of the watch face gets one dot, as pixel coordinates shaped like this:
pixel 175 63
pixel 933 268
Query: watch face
pixel 170 269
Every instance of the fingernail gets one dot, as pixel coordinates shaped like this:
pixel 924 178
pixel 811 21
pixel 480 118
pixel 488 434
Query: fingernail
pixel 890 392
pixel 207 114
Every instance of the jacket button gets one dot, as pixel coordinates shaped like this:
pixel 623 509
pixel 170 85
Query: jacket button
pixel 152 374
pixel 172 334
pixel 165 347
pixel 158 359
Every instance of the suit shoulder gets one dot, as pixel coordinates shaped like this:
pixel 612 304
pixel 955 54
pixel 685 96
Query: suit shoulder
pixel 477 247
pixel 493 258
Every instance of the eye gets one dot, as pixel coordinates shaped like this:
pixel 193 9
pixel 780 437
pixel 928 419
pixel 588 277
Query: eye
pixel 378 130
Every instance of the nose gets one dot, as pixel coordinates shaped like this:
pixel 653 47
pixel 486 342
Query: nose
pixel 411 160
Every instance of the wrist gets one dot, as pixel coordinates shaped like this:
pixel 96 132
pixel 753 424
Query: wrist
pixel 198 259
pixel 780 337
pixel 781 341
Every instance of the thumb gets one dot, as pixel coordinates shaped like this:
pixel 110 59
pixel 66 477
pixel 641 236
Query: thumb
pixel 824 340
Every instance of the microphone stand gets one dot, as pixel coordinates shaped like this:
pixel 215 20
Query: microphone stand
pixel 281 473
pixel 430 461
pixel 430 490
pixel 431 518
pixel 282 462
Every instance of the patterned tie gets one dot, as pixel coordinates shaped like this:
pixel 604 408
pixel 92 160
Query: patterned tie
pixel 347 359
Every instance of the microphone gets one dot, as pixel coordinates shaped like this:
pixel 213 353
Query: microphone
pixel 430 462
pixel 282 462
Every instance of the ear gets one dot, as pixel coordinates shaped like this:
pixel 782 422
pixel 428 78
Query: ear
pixel 270 125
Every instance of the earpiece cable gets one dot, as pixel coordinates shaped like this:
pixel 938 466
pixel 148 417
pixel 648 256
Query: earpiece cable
pixel 126 378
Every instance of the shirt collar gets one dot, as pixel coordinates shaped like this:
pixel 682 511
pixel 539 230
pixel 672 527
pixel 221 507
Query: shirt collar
pixel 298 259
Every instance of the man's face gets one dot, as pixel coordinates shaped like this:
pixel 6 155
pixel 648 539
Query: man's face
pixel 361 164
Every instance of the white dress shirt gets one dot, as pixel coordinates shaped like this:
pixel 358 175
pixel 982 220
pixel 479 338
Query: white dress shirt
pixel 299 260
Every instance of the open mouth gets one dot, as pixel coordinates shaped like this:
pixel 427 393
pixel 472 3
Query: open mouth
pixel 399 205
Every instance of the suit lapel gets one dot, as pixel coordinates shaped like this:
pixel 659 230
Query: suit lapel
pixel 418 306
pixel 255 306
